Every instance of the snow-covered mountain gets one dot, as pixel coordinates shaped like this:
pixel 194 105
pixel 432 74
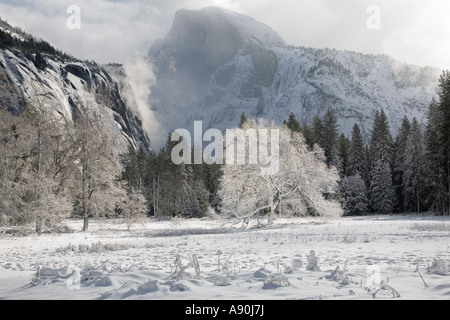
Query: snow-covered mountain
pixel 215 64
pixel 65 85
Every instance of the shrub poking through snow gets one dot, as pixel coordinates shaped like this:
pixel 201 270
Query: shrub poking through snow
pixel 180 270
pixel 385 287
pixel 340 276
pixel 276 281
pixel 440 266
pixel 195 265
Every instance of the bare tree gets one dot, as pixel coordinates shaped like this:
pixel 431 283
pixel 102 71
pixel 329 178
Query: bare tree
pixel 14 159
pixel 29 190
pixel 95 182
pixel 303 184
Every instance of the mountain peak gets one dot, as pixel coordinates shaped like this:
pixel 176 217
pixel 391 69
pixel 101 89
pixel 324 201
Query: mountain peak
pixel 212 19
pixel 250 28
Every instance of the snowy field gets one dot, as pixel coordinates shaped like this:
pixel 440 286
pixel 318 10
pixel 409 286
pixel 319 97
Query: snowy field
pixel 380 257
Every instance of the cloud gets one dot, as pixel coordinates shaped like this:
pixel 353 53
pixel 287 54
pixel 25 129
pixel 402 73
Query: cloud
pixel 413 31
pixel 111 31
pixel 137 89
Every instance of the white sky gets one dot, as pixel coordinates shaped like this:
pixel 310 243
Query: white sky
pixel 413 31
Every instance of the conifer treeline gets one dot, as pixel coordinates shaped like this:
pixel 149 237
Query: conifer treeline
pixel 171 190
pixel 45 177
pixel 406 175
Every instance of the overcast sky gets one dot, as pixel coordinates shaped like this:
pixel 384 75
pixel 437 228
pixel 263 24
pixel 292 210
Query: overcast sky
pixel 413 31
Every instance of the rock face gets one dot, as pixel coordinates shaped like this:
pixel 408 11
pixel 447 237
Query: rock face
pixel 215 64
pixel 67 86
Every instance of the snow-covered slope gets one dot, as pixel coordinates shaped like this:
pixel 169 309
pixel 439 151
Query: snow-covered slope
pixel 67 85
pixel 215 64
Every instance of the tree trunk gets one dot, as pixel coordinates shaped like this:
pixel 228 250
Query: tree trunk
pixel 154 195
pixel 270 217
pixel 39 217
pixel 39 225
pixel 448 185
pixel 157 197
pixel 418 200
pixel 85 223
pixel 271 207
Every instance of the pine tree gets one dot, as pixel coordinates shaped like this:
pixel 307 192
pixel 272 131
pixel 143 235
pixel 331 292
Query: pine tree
pixel 330 139
pixel 443 127
pixel 381 190
pixel 188 201
pixel 382 143
pixel 353 190
pixel 435 175
pixel 243 120
pixel 382 194
pixel 344 154
pixel 399 164
pixel 318 128
pixel 308 134
pixel 210 176
pixel 40 62
pixel 413 175
pixel 357 161
pixel 152 180
pixel 130 173
pixel 169 177
pixel 141 159
pixel 293 124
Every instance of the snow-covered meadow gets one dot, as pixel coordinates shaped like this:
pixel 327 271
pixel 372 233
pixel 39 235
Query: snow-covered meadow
pixel 376 257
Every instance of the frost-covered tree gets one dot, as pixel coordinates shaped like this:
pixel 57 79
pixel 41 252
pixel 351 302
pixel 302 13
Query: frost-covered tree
pixel 353 190
pixel 95 185
pixel 15 155
pixel 134 207
pixel 31 171
pixel 303 185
